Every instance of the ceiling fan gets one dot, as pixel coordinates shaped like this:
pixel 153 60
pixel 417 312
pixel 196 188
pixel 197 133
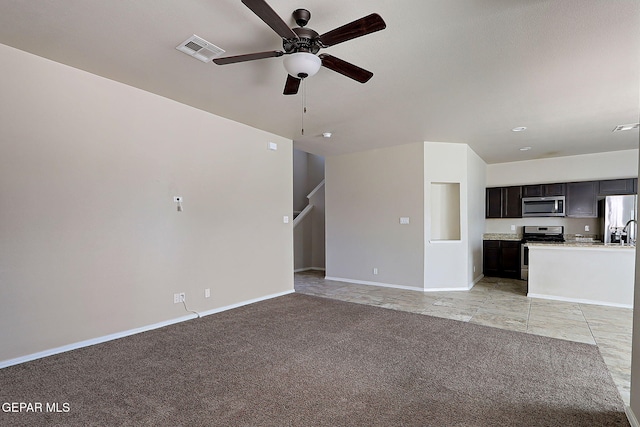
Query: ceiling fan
pixel 302 44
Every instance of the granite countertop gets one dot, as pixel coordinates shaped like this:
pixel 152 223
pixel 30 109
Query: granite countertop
pixel 502 236
pixel 577 244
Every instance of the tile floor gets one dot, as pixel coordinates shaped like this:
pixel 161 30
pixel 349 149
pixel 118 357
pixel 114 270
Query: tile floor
pixel 501 303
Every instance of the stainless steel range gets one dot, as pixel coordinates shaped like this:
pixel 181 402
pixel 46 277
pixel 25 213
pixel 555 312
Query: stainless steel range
pixel 537 234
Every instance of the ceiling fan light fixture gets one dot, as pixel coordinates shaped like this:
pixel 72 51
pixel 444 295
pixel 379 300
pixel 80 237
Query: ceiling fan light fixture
pixel 302 64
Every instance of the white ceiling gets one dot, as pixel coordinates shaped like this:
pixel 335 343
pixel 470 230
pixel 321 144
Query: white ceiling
pixel 460 71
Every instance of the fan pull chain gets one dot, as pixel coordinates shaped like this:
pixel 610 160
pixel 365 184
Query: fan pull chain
pixel 304 102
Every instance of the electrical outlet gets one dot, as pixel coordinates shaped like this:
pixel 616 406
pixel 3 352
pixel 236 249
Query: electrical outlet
pixel 178 298
pixel 207 293
pixel 586 228
pixel 375 270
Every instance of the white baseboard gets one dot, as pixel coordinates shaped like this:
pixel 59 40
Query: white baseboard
pixel 364 282
pixel 240 304
pixel 300 270
pixel 631 416
pixel 105 338
pixel 476 280
pixel 446 289
pixel 407 288
pixel 579 300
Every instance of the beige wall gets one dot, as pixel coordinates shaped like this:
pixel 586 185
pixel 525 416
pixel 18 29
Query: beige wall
pixel 366 194
pixel 91 243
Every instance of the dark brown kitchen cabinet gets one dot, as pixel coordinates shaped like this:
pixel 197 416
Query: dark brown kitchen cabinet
pixel 494 203
pixel 504 202
pixel 582 199
pixel 617 187
pixel 501 258
pixel 543 190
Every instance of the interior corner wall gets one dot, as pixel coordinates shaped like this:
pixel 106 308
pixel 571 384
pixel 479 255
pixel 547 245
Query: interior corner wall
pixel 446 263
pixel 309 235
pixel 366 194
pixel 300 179
pixel 476 177
pixel 91 242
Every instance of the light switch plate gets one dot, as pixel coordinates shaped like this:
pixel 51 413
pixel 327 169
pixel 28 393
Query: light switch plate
pixel 285 219
pixel 404 220
pixel 273 146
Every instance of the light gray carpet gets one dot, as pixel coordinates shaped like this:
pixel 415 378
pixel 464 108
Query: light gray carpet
pixel 306 361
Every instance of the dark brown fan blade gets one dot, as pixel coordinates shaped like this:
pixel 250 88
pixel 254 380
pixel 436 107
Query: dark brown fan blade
pixel 359 27
pixel 271 18
pixel 291 86
pixel 248 57
pixel 345 68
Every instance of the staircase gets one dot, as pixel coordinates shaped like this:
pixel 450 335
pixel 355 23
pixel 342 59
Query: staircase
pixel 298 217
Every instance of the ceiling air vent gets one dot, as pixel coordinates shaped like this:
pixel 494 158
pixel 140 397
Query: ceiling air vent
pixel 626 127
pixel 200 49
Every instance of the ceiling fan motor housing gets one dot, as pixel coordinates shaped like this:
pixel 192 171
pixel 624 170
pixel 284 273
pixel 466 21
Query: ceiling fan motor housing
pixel 306 41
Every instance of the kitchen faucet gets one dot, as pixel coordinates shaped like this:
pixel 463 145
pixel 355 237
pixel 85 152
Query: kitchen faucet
pixel 624 230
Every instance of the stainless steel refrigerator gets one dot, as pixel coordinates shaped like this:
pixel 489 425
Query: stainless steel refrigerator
pixel 618 215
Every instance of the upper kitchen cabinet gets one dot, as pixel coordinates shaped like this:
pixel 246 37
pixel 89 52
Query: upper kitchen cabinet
pixel 582 199
pixel 544 190
pixel 614 187
pixel 504 202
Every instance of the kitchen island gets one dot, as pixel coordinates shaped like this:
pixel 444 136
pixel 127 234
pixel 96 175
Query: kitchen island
pixel 582 272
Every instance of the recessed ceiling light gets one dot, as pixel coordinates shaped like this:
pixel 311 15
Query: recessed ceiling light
pixel 525 149
pixel 326 135
pixel 519 129
pixel 630 126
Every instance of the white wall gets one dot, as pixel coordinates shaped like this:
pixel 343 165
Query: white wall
pixel 449 264
pixel 91 243
pixel 476 177
pixel 576 274
pixel 635 343
pixel 366 194
pixel 586 167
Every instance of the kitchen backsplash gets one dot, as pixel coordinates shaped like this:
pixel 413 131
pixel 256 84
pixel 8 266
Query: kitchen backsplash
pixel 573 226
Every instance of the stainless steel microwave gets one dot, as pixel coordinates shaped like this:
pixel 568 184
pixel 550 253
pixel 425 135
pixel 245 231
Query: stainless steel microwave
pixel 543 206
